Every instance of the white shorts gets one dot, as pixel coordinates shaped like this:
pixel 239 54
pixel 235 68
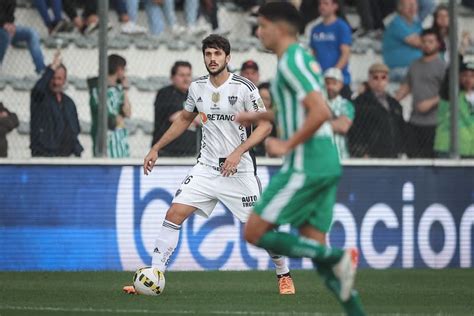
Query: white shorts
pixel 203 188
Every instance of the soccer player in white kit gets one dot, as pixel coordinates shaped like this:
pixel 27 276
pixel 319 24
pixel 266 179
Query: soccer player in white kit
pixel 226 169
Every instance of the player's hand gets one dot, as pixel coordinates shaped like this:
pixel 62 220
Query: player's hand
pixel 149 161
pixel 276 147
pixel 246 118
pixel 230 164
pixel 57 59
pixel 10 28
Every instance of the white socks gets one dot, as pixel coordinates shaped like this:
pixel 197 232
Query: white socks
pixel 280 263
pixel 165 245
pixel 167 241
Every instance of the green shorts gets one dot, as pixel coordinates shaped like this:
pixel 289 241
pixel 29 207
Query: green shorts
pixel 296 198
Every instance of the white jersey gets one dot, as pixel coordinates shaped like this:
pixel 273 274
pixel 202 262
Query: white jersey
pixel 217 108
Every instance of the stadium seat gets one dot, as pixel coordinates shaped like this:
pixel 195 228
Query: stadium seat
pixel 240 45
pixel 3 83
pixel 131 125
pixel 56 42
pixel 177 45
pixel 85 127
pixel 78 83
pixel 146 126
pixel 158 81
pixel 142 84
pixel 24 128
pixel 147 42
pixel 24 84
pixel 86 42
pixel 119 42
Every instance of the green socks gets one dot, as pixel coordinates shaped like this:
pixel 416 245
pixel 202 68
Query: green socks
pixel 299 247
pixel 353 306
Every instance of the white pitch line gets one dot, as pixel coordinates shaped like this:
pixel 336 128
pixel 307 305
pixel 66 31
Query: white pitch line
pixel 181 312
pixel 147 311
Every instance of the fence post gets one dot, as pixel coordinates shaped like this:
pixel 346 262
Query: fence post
pixel 453 78
pixel 101 142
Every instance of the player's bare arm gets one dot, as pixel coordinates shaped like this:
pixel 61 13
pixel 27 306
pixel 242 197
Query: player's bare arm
pixel 179 126
pixel 263 129
pixel 250 118
pixel 317 112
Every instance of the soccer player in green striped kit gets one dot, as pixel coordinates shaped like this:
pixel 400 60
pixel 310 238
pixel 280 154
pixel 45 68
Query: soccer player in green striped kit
pixel 303 192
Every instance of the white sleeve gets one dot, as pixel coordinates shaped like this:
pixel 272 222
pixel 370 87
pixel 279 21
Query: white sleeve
pixel 253 102
pixel 190 104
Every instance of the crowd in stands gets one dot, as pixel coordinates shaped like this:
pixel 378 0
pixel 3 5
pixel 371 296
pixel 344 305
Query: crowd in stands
pixel 367 123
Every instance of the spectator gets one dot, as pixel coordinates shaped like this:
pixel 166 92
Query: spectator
pixel 331 42
pixel 424 80
pixel 378 127
pixel 8 121
pixel 154 10
pixel 168 105
pixel 10 32
pixel 56 23
pixel 426 7
pixel 118 108
pixel 342 110
pixel 209 10
pixel 265 94
pixel 441 26
pixel 401 41
pixel 191 10
pixel 69 8
pixel 372 13
pixel 249 70
pixel 465 118
pixel 54 125
pixel 126 25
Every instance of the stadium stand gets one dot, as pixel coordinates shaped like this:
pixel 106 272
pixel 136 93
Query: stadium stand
pixel 149 61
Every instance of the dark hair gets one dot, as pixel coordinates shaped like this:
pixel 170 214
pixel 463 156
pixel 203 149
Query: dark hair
pixel 264 85
pixel 179 63
pixel 281 11
pixel 115 61
pixel 435 26
pixel 431 31
pixel 217 42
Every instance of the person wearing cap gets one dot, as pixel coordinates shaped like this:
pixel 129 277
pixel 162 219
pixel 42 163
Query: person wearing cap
pixel 465 117
pixel 342 110
pixel 378 127
pixel 423 81
pixel 250 71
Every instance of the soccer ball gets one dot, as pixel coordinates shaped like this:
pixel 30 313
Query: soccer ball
pixel 149 281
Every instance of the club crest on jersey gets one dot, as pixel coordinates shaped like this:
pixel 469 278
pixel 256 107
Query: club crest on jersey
pixel 216 97
pixel 315 67
pixel 232 99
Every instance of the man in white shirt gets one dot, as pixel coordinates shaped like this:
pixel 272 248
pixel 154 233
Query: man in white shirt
pixel 226 169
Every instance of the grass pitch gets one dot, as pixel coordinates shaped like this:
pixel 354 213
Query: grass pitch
pixel 401 292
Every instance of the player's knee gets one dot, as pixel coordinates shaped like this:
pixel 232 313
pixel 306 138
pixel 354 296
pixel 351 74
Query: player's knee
pixel 251 234
pixel 175 215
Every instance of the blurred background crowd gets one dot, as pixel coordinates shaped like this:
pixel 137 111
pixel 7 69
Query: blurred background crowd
pixel 385 65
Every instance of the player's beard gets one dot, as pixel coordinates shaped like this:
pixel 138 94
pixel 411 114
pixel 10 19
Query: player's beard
pixel 216 72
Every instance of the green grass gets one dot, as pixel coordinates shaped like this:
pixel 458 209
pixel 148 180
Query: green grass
pixel 428 292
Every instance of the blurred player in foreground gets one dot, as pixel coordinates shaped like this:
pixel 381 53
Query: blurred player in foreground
pixel 226 169
pixel 303 192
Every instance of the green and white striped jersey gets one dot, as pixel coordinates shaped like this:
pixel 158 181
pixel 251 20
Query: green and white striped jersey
pixel 340 106
pixel 299 74
pixel 117 138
